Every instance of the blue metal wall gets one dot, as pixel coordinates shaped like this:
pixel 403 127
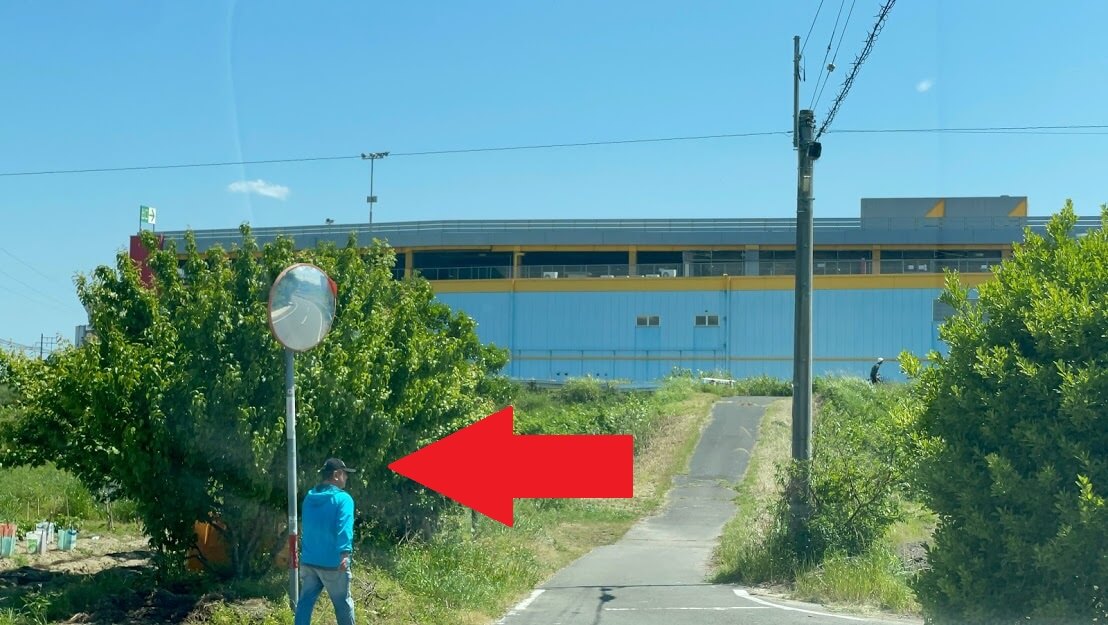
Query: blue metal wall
pixel 558 335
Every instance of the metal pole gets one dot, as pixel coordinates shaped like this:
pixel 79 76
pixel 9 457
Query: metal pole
pixel 372 198
pixel 290 434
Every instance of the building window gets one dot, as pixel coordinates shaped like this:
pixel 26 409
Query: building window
pixel 936 261
pixel 941 311
pixel 644 321
pixel 707 321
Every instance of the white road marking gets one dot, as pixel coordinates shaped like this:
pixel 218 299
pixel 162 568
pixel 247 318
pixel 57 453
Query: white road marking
pixel 281 313
pixel 521 606
pixel 746 595
pixel 733 607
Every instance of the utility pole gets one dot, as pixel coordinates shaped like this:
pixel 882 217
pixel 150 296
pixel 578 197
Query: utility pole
pixel 372 157
pixel 796 87
pixel 807 151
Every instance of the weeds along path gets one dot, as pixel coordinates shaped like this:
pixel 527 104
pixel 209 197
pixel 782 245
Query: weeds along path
pixel 655 574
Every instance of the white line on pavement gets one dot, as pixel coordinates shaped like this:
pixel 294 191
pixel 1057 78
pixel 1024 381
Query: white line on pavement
pixel 745 595
pixel 521 606
pixel 735 607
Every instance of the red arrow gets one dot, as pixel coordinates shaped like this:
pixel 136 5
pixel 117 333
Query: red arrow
pixel 485 466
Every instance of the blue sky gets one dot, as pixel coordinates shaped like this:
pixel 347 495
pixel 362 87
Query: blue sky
pixel 91 85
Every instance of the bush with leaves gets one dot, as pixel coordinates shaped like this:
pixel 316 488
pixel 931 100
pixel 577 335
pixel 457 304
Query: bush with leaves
pixel 180 400
pixel 1016 420
pixel 763 386
pixel 859 469
pixel 587 390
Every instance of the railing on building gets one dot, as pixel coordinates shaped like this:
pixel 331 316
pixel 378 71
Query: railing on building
pixel 785 224
pixel 938 265
pixel 717 268
pixel 820 267
pixel 573 271
pixel 857 266
pixel 465 273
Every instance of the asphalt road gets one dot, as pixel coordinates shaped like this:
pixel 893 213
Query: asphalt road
pixel 655 574
pixel 302 323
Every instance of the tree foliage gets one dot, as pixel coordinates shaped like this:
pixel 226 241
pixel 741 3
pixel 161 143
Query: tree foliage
pixel 180 396
pixel 1016 419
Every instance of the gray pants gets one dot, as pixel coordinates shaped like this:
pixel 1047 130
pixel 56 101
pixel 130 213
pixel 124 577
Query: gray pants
pixel 312 582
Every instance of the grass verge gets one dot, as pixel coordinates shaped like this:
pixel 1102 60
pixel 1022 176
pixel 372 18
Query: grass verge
pixel 753 550
pixel 471 572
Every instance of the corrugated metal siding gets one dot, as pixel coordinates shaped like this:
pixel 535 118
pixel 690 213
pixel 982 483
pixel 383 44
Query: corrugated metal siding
pixel 560 335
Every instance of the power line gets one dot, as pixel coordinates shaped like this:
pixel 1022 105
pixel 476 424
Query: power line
pixel 835 56
pixel 101 170
pixel 858 61
pixel 547 146
pixel 1028 130
pixel 25 264
pixel 980 129
pixel 826 53
pixel 41 293
pixel 13 345
pixel 809 35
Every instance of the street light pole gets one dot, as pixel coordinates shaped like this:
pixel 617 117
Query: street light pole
pixel 372 157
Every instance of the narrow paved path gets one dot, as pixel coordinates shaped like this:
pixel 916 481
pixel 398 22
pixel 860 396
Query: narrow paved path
pixel 655 574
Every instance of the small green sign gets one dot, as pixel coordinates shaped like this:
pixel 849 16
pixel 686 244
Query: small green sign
pixel 148 214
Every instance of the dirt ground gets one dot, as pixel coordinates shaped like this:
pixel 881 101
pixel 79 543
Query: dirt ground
pixel 93 553
pixel 76 582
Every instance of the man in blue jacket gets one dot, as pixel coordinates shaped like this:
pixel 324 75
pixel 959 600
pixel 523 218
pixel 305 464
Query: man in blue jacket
pixel 326 545
pixel 875 372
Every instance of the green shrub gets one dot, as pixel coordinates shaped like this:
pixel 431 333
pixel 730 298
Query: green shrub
pixel 859 468
pixel 1015 419
pixel 180 397
pixel 587 390
pixel 677 388
pixel 764 386
pixel 756 386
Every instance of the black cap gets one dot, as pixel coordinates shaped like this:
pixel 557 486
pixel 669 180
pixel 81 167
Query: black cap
pixel 334 464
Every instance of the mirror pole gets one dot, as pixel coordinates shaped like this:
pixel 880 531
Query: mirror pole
pixel 290 433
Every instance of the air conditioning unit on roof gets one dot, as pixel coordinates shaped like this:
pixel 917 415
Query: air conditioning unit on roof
pixel 668 273
pixel 550 274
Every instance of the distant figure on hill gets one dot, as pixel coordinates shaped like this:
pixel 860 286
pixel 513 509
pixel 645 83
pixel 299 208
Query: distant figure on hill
pixel 874 372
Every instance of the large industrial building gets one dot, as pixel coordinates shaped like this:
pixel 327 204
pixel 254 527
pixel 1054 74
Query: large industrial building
pixel 633 299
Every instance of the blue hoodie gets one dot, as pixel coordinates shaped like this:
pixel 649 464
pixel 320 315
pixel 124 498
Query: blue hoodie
pixel 328 532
